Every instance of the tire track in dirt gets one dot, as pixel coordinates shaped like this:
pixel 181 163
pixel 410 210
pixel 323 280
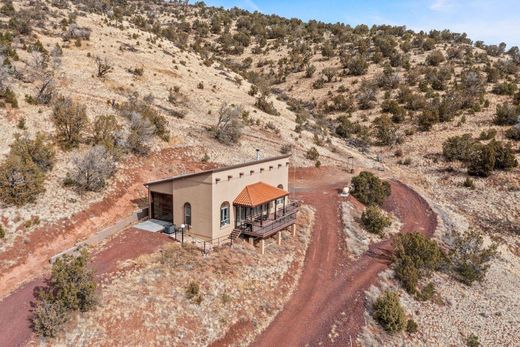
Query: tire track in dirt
pixel 331 289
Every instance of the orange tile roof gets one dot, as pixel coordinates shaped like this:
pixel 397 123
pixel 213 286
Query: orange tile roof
pixel 258 193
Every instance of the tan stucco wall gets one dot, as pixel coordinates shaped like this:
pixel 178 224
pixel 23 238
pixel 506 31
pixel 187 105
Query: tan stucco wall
pixel 164 187
pixel 227 189
pixel 206 195
pixel 197 191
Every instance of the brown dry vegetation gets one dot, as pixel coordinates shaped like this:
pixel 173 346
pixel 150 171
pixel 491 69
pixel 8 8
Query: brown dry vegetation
pixel 177 297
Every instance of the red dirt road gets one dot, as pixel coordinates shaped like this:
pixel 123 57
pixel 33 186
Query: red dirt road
pixel 327 306
pixel 15 309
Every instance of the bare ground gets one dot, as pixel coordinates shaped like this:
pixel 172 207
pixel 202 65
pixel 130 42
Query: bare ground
pixel 15 326
pixel 328 305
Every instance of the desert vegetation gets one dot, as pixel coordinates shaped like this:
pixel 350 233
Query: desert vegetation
pixel 71 288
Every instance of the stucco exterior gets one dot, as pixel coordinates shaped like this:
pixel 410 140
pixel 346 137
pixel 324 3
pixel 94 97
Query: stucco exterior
pixel 207 191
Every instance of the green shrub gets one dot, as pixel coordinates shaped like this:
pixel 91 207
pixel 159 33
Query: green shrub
pixel 10 97
pixel 375 221
pixel 407 274
pixel 192 290
pixel 70 121
pixel 266 106
pixel 144 109
pixel 49 315
pixel 513 133
pixel 385 130
pixel 469 183
pixel 193 293
pixel 71 287
pixel 37 150
pixel 72 282
pixel 312 154
pixel 389 313
pixel 356 65
pixel 369 189
pixel 20 181
pixel 504 156
pixel 427 119
pixel 487 135
pixel 427 292
pixel 415 256
pixel 458 148
pixel 469 258
pixel 504 88
pixel 104 132
pixel 482 160
pixel 411 326
pixel 435 58
pixel 472 341
pixel 506 114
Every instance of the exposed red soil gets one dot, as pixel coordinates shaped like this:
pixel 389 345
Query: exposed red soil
pixel 29 256
pixel 331 288
pixel 15 326
pixel 330 292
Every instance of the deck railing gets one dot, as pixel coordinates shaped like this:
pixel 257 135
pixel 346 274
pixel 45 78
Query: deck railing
pixel 270 226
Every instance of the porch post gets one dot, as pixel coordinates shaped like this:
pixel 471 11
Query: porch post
pixel 275 208
pixel 262 246
pixel 262 216
pixel 279 237
pixel 149 204
pixel 284 205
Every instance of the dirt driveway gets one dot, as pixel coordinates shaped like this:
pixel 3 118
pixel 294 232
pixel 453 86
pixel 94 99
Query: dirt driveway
pixel 15 309
pixel 327 307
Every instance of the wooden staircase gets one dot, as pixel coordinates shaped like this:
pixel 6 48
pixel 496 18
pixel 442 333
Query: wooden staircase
pixel 235 234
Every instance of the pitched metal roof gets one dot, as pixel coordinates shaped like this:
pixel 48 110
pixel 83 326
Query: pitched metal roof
pixel 220 169
pixel 258 193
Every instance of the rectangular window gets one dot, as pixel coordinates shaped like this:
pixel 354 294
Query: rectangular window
pixel 224 215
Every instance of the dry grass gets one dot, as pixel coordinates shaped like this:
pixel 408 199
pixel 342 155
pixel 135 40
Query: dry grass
pixel 146 303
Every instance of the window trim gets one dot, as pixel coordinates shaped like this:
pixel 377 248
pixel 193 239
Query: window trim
pixel 225 206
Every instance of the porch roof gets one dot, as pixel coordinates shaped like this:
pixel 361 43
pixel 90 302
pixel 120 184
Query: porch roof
pixel 257 194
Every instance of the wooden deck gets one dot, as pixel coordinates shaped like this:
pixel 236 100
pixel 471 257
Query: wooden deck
pixel 271 226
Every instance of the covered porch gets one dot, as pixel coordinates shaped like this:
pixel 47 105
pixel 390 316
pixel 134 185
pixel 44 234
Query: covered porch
pixel 262 210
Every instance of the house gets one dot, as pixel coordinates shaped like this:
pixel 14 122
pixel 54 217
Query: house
pixel 251 199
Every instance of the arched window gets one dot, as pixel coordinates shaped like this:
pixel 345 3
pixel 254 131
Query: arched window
pixel 280 186
pixel 224 214
pixel 187 213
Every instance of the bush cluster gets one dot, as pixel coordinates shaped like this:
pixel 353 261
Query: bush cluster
pixel 92 169
pixel 71 288
pixel 415 256
pixel 22 173
pixel 389 313
pixel 70 121
pixel 374 220
pixel 369 189
pixel 229 125
pixel 469 258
